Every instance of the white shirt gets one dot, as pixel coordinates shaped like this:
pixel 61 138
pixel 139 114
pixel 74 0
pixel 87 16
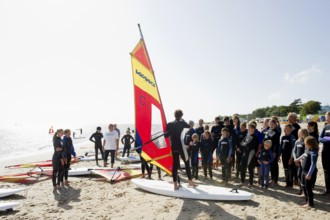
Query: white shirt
pixel 110 138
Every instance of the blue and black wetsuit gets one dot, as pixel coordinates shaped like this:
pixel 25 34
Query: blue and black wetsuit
pixel 216 134
pixel 69 150
pixel 188 139
pixel 207 156
pixel 195 148
pixel 200 131
pixel 58 168
pixel 173 131
pixel 298 150
pixel 309 159
pixel 274 136
pixel 325 139
pixel 287 144
pixel 224 152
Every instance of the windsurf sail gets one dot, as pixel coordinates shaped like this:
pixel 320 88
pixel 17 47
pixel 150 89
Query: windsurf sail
pixel 150 119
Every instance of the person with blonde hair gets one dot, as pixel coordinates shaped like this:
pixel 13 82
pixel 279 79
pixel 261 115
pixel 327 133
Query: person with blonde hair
pixel 298 150
pixel 265 159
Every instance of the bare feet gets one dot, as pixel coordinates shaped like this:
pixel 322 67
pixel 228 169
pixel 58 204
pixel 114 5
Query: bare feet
pixel 176 186
pixel 192 184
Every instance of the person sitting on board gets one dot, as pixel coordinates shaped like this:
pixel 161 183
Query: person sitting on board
pixel 265 158
pixel 207 153
pixel 224 153
pixel 195 146
pixel 110 145
pixel 173 131
pixel 69 150
pixel 127 140
pixel 56 159
pixel 97 139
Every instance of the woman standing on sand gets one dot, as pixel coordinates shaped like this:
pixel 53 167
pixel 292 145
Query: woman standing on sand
pixel 58 168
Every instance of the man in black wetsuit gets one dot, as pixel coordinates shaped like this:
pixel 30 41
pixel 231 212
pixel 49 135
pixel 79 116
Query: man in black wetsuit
pixel 173 131
pixel 97 139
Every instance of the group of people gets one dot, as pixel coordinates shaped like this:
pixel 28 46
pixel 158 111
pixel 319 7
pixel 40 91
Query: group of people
pixel 242 147
pixel 63 152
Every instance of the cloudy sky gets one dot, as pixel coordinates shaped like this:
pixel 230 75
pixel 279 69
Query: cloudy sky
pixel 68 61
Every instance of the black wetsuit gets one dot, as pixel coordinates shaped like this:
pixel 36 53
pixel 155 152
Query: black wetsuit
pixel 298 150
pixel 216 134
pixel 173 131
pixel 249 146
pixel 308 167
pixel 295 130
pixel 274 136
pixel 207 156
pixel 126 141
pixel 58 168
pixel 97 139
pixel 188 139
pixel 325 155
pixel 69 150
pixel 224 151
pixel 195 148
pixel 200 131
pixel 287 144
pixel 315 135
pixel 239 152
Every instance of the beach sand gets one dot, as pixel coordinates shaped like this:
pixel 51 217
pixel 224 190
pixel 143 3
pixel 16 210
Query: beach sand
pixel 92 198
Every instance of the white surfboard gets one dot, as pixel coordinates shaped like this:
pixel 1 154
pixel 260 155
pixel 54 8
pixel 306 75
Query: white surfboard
pixel 80 171
pixel 86 158
pixel 9 192
pixel 7 206
pixel 130 159
pixel 201 192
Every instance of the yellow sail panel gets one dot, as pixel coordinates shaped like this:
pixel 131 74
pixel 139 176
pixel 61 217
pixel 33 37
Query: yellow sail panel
pixel 144 79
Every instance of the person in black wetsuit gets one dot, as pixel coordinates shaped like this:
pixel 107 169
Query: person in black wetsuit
pixel 127 140
pixel 224 153
pixel 239 149
pixel 313 130
pixel 287 144
pixel 293 119
pixel 325 155
pixel 58 168
pixel 188 137
pixel 274 135
pixel 97 139
pixel 69 150
pixel 216 135
pixel 173 131
pixel 207 153
pixel 249 146
pixel 195 146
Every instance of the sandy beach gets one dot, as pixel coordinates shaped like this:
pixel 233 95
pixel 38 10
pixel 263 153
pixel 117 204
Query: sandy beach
pixel 93 198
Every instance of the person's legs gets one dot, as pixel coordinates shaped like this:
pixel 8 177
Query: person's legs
pixel 96 154
pixel 112 152
pixel 266 175
pixel 106 154
pixel 67 168
pixel 326 169
pixel 262 175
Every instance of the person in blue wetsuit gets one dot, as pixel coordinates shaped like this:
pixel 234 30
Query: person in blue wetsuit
pixel 224 153
pixel 325 154
pixel 308 163
pixel 173 131
pixel 69 150
pixel 97 139
pixel 265 159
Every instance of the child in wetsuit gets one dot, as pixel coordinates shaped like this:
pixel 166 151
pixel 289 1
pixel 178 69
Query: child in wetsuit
pixel 298 150
pixel 287 144
pixel 195 146
pixel 224 153
pixel 265 159
pixel 69 150
pixel 207 151
pixel 325 155
pixel 127 140
pixel 239 150
pixel 308 165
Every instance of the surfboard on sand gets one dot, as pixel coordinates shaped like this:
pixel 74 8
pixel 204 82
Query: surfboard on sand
pixel 130 159
pixel 201 192
pixel 9 206
pixel 10 191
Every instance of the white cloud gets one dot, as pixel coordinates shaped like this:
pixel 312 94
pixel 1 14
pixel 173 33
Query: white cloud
pixel 275 95
pixel 303 76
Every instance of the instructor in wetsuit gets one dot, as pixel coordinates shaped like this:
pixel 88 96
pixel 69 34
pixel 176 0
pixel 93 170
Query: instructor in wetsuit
pixel 173 131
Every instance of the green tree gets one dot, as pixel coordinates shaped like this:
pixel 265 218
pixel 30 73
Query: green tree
pixel 295 106
pixel 310 107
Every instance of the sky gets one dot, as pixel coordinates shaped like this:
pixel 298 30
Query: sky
pixel 68 62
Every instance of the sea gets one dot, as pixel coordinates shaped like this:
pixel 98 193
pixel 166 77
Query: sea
pixel 19 140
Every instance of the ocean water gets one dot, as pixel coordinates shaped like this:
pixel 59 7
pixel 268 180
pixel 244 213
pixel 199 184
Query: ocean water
pixel 23 140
